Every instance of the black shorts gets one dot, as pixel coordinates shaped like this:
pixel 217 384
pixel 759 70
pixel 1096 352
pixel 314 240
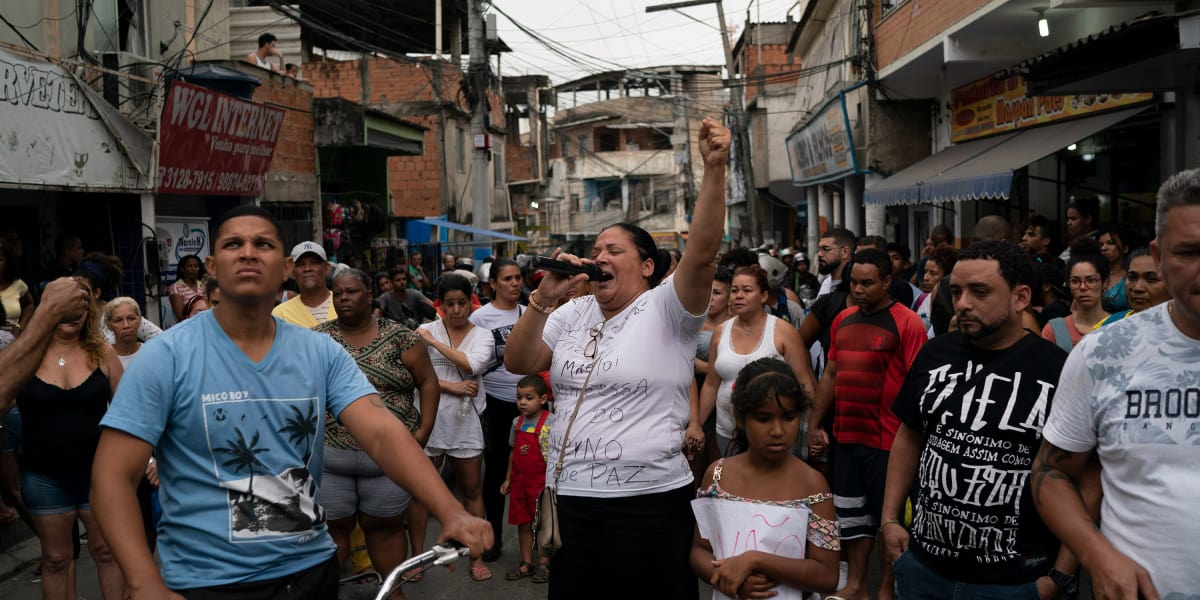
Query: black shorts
pixel 319 582
pixel 859 477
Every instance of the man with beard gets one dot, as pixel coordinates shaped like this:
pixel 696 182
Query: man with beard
pixel 314 305
pixel 873 345
pixel 833 250
pixel 1128 398
pixel 971 413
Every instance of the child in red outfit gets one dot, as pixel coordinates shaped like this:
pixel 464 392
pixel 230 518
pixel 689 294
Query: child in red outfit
pixel 527 473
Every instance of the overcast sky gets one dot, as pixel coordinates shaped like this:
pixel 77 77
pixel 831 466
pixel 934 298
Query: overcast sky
pixel 620 34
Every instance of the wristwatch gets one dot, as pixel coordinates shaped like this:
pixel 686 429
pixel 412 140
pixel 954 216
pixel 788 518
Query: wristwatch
pixel 1069 584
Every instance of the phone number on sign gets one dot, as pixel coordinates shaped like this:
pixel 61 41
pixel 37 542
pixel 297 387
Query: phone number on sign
pixel 208 181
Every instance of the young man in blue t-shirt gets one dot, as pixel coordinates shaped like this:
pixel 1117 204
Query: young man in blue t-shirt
pixel 233 404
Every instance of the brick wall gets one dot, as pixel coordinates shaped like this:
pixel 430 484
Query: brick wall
pixel 387 80
pixel 774 61
pixel 916 22
pixel 519 165
pixel 292 176
pixel 296 150
pixel 415 182
pixel 412 91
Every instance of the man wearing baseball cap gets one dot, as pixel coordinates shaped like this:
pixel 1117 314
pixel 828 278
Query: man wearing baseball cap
pixel 314 305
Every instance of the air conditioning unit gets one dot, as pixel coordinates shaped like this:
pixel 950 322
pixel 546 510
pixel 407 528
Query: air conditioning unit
pixel 133 91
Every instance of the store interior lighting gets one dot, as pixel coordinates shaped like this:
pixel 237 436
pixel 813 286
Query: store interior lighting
pixel 1072 147
pixel 1043 24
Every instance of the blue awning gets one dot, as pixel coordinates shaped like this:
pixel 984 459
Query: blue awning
pixel 983 169
pixel 500 235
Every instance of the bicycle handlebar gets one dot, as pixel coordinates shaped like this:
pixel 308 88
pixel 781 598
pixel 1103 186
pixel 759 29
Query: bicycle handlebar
pixel 438 555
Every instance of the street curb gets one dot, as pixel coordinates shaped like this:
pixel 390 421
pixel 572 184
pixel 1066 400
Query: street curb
pixel 19 557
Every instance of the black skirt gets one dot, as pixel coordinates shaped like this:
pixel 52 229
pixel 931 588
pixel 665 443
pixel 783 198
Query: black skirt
pixel 633 547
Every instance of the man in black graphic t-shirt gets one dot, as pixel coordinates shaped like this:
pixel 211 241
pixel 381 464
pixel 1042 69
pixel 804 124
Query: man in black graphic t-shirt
pixel 971 412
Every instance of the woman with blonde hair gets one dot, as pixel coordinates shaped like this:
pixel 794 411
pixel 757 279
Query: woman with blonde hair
pixel 122 315
pixel 61 407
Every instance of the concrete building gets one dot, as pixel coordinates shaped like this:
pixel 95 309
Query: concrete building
pixel 842 134
pixel 528 102
pixel 626 153
pixel 768 75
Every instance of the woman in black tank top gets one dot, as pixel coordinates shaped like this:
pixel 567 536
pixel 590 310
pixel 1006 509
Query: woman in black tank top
pixel 61 406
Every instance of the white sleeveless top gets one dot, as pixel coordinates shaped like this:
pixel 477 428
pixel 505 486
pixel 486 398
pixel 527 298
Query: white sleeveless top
pixel 729 363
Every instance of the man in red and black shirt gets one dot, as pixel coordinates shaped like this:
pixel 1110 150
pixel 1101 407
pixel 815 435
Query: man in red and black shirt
pixel 872 346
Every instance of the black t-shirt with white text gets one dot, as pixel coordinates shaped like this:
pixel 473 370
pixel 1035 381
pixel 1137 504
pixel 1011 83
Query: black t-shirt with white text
pixel 980 413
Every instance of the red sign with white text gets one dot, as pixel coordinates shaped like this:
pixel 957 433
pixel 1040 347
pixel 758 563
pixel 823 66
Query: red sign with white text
pixel 215 144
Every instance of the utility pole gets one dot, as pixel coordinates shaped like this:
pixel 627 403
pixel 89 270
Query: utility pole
pixel 741 120
pixel 481 212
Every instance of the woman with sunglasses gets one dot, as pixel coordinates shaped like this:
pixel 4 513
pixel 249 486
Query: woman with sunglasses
pixel 621 365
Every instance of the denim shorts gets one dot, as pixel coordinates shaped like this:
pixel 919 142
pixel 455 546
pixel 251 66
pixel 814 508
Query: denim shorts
pixel 916 581
pixel 55 494
pixel 10 430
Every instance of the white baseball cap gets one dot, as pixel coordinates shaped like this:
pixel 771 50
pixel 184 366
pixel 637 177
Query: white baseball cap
pixel 305 247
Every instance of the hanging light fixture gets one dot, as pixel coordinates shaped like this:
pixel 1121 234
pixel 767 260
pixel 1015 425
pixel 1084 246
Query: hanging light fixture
pixel 1043 24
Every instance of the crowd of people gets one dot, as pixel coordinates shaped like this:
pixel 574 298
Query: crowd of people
pixel 990 420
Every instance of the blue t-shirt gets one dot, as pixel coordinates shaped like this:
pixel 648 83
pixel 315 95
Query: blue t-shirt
pixel 239 447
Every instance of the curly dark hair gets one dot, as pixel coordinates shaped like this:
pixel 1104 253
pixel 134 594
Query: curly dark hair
pixel 1016 266
pixel 945 257
pixel 1086 250
pixel 763 380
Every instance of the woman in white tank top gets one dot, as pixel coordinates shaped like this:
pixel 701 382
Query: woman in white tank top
pixel 751 334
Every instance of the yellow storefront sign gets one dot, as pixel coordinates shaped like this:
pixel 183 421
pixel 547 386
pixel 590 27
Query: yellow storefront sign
pixel 998 105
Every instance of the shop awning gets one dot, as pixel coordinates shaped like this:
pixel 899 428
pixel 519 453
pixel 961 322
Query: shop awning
pixel 983 169
pixel 500 235
pixel 1150 54
pixel 340 123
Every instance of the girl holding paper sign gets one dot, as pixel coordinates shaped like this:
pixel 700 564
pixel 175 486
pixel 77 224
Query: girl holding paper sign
pixel 765 523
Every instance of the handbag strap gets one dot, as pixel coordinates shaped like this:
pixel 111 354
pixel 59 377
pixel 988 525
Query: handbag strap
pixel 558 466
pixel 461 377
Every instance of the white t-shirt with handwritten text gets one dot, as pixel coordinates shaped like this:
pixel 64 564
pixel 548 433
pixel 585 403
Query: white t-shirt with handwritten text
pixel 628 436
pixel 1131 391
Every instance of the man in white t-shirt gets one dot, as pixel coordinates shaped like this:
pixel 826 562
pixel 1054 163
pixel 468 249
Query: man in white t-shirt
pixel 314 305
pixel 1130 394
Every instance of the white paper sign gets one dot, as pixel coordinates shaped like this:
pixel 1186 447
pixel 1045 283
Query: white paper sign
pixel 734 527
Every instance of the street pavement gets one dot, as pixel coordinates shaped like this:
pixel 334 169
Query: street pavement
pixel 17 581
